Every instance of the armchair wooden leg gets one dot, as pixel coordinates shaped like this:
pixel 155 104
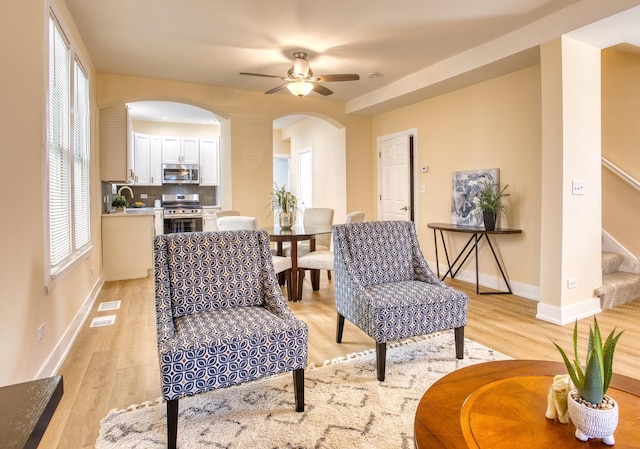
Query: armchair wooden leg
pixel 329 274
pixel 298 388
pixel 172 423
pixel 287 276
pixel 381 359
pixel 339 329
pixel 300 281
pixel 459 335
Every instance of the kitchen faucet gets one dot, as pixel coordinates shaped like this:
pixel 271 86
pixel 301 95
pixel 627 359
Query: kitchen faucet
pixel 125 187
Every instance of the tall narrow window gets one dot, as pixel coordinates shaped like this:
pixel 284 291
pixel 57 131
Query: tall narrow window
pixel 81 158
pixel 68 153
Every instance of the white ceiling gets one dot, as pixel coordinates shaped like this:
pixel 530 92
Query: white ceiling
pixel 406 41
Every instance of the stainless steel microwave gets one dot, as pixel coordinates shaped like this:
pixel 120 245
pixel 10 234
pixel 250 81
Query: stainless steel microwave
pixel 180 174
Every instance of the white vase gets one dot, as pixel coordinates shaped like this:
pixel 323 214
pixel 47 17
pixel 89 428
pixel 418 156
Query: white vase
pixel 593 423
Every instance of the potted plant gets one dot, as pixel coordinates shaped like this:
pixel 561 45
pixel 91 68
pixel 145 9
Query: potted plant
pixel 285 204
pixel 119 202
pixel 490 201
pixel 594 414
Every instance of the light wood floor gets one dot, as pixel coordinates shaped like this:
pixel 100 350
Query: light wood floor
pixel 117 366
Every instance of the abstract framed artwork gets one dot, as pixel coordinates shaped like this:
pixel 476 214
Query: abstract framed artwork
pixel 466 186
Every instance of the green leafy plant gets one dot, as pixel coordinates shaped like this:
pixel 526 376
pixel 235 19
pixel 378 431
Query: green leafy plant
pixel 491 199
pixel 592 382
pixel 119 201
pixel 283 200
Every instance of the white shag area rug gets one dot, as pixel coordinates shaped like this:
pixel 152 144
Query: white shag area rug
pixel 345 405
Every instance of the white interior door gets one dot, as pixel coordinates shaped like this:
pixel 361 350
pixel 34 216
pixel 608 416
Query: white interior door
pixel 395 197
pixel 305 178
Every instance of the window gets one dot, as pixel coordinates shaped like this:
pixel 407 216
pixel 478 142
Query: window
pixel 68 153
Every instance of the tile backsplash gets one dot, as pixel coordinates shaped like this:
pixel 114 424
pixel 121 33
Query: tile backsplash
pixel 208 194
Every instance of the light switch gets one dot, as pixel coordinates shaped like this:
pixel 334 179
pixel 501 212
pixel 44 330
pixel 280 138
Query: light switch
pixel 577 187
pixel 423 188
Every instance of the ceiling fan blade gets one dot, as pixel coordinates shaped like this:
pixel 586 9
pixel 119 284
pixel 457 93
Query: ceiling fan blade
pixel 263 75
pixel 317 88
pixel 339 77
pixel 276 89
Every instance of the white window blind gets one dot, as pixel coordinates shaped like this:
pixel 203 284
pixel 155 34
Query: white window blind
pixel 81 158
pixel 69 230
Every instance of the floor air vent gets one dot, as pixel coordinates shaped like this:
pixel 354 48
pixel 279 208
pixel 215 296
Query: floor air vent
pixel 109 305
pixel 100 321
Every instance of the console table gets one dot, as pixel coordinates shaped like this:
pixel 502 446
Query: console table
pixel 477 234
pixel 501 404
pixel 25 411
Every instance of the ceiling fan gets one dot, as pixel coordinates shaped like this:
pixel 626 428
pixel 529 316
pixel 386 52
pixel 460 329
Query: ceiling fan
pixel 300 78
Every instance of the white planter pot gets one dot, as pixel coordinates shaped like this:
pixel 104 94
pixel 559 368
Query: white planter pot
pixel 593 423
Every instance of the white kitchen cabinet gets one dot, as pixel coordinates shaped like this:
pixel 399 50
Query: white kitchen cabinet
pixel 180 150
pixel 141 160
pixel 171 152
pixel 127 246
pixel 116 142
pixel 158 220
pixel 209 153
pixel 190 147
pixel 209 221
pixel 147 160
pixel 155 158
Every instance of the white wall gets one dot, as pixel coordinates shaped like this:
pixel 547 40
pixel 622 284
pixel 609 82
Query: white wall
pixel 329 163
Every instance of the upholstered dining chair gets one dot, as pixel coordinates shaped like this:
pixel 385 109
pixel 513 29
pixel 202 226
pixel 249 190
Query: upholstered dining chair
pixel 322 259
pixel 221 317
pixel 354 217
pixel 385 287
pixel 281 264
pixel 223 213
pixel 315 216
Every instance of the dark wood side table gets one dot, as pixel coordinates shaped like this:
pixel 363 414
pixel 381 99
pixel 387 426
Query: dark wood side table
pixel 501 405
pixel 477 234
pixel 25 411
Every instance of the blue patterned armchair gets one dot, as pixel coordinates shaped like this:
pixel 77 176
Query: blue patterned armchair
pixel 385 287
pixel 221 316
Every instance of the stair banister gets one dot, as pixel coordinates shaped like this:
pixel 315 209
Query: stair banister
pixel 621 173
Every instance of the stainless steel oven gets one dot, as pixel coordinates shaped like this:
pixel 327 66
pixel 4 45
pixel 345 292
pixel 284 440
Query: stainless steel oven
pixel 182 213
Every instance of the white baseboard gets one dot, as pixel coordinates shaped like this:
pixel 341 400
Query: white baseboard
pixel 568 314
pixel 492 282
pixel 53 363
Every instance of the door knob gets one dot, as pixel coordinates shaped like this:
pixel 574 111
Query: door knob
pixel 404 208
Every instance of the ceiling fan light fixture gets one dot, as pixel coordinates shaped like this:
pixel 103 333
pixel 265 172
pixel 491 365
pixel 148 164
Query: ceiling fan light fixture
pixel 300 88
pixel 300 68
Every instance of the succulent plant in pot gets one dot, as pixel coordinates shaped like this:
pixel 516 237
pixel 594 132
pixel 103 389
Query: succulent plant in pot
pixel 594 414
pixel 119 202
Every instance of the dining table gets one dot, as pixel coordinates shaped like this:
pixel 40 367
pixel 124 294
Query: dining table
pixel 293 235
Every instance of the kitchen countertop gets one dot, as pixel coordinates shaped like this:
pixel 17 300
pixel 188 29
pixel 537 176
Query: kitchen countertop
pixel 133 211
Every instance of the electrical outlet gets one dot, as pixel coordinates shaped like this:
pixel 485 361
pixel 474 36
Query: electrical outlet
pixel 572 283
pixel 144 196
pixel 41 332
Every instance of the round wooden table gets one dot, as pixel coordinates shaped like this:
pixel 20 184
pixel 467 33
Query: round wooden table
pixel 502 405
pixel 294 235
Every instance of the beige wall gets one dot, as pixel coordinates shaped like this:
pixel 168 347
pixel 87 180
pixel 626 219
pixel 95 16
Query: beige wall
pixel 620 143
pixel 22 272
pixel 492 124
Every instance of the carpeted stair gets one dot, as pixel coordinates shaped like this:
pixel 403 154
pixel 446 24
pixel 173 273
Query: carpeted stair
pixel 618 287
